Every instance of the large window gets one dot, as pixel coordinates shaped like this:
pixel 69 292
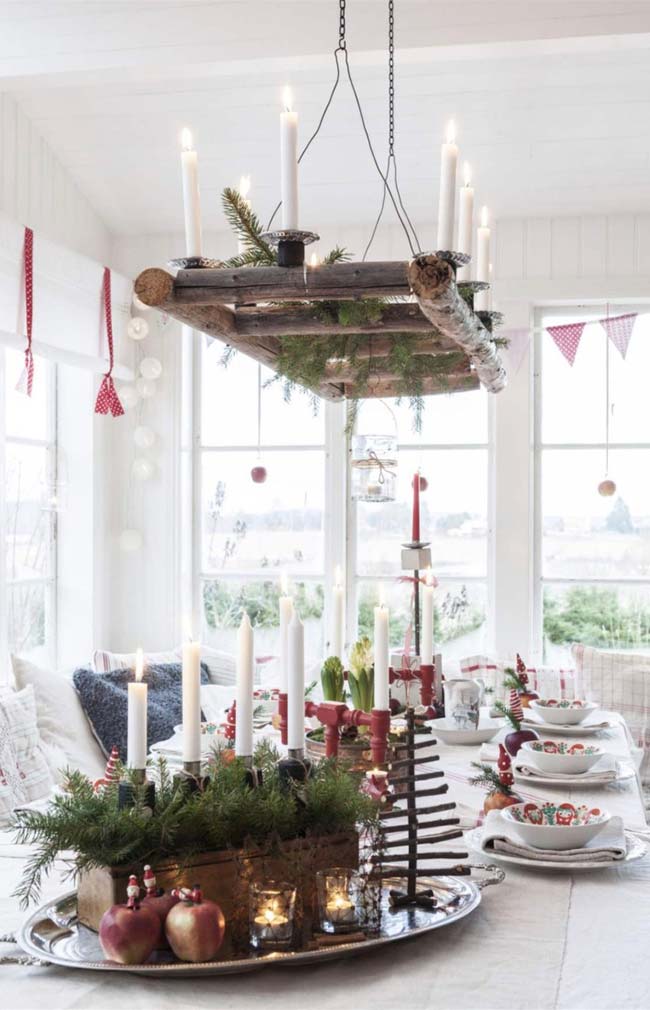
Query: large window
pixel 594 551
pixel 29 481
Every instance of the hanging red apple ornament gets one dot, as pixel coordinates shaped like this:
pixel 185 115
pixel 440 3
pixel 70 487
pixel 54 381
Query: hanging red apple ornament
pixel 129 933
pixel 606 488
pixel 424 483
pixel 195 927
pixel 258 474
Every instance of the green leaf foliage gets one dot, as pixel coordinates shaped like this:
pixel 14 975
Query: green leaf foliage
pixel 332 679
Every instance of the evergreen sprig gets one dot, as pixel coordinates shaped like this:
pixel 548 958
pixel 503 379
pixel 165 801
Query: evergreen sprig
pixel 512 681
pixel 508 714
pixel 488 778
pixel 226 814
pixel 247 226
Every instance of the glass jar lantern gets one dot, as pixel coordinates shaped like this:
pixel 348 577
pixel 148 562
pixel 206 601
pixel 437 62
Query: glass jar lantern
pixel 374 454
pixel 271 915
pixel 337 900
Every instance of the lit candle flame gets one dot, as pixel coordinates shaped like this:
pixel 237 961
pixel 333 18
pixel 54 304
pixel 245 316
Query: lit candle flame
pixel 269 915
pixel 186 139
pixel 287 99
pixel 314 260
pixel 451 132
pixel 484 217
pixel 244 185
pixel 284 584
pixel 467 174
pixel 429 576
pixel 139 664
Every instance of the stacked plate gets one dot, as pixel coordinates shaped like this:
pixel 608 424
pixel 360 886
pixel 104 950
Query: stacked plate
pixel 552 762
pixel 564 718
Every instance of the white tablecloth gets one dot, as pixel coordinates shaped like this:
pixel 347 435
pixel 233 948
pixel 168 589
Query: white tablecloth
pixel 542 940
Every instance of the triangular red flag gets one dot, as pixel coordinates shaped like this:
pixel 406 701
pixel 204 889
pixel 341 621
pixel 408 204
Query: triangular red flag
pixel 567 338
pixel 619 330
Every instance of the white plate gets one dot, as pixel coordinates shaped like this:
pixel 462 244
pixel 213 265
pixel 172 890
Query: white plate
pixel 465 737
pixel 624 773
pixel 636 849
pixel 582 729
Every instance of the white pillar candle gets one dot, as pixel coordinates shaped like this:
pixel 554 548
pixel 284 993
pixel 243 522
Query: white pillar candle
pixel 381 656
pixel 244 189
pixel 447 198
pixel 296 692
pixel 465 221
pixel 192 701
pixel 426 638
pixel 338 615
pixel 191 199
pixel 289 162
pixel 137 717
pixel 482 273
pixel 244 720
pixel 286 613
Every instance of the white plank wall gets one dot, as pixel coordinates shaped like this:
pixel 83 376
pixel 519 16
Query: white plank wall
pixel 36 189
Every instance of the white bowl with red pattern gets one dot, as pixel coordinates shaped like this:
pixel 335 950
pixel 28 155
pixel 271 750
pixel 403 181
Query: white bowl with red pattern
pixel 551 825
pixel 562 757
pixel 562 711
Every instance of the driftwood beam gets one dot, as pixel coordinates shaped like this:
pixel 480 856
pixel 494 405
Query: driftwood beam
pixel 432 282
pixel 430 387
pixel 307 320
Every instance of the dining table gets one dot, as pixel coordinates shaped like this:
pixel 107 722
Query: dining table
pixel 553 939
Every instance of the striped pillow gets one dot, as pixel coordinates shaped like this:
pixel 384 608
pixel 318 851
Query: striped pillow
pixel 106 662
pixel 24 771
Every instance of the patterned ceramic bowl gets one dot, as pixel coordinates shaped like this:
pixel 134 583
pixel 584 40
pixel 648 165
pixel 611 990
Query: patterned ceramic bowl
pixel 563 757
pixel 562 712
pixel 549 825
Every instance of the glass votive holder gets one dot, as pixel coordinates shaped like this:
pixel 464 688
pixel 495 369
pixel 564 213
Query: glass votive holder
pixel 271 915
pixel 337 900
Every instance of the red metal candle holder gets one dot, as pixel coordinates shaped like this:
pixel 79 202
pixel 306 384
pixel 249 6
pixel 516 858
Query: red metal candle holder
pixel 334 716
pixel 425 675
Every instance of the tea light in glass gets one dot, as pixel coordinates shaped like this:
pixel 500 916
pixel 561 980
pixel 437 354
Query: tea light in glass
pixel 337 900
pixel 272 907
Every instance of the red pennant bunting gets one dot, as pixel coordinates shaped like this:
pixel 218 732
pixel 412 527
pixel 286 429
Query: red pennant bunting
pixel 619 330
pixel 567 338
pixel 26 380
pixel 107 399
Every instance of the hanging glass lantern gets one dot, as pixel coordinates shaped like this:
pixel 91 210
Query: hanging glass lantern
pixel 374 456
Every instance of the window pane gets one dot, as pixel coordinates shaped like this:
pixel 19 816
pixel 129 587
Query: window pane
pixel 27 620
pixel 585 535
pixel 606 616
pixel 277 525
pixel 26 416
pixel 454 417
pixel 229 406
pixel 27 526
pixel 453 513
pixel 459 614
pixel 224 600
pixel 573 398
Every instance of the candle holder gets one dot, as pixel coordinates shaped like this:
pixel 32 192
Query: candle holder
pixel 337 900
pixel 456 259
pixel 295 768
pixel 191 778
pixel 334 715
pixel 194 263
pixel 290 243
pixel 128 788
pixel 271 915
pixel 253 774
pixel 416 556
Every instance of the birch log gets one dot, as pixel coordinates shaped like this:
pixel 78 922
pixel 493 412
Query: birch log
pixel 432 283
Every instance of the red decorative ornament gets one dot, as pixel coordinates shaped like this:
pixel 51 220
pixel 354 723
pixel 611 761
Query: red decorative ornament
pixel 424 483
pixel 230 725
pixel 110 775
pixel 258 474
pixel 26 380
pixel 504 765
pixel 108 402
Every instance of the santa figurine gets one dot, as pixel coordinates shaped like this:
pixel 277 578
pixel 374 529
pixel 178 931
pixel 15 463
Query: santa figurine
pixel 504 764
pixel 229 727
pixel 149 881
pixel 133 892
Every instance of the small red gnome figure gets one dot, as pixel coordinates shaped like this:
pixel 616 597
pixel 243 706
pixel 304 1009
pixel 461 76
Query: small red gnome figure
pixel 504 765
pixel 500 792
pixel 525 693
pixel 110 774
pixel 132 891
pixel 229 728
pixel 149 881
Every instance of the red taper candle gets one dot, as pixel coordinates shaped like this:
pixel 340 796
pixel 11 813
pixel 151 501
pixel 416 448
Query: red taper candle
pixel 415 531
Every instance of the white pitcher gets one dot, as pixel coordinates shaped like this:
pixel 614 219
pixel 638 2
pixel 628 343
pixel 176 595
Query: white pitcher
pixel 462 702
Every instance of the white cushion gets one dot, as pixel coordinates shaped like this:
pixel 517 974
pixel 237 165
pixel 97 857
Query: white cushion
pixel 61 721
pixel 24 775
pixel 619 681
pixel 105 661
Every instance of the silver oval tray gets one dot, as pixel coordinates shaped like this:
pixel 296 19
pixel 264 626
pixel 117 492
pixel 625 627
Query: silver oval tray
pixel 637 848
pixel 49 936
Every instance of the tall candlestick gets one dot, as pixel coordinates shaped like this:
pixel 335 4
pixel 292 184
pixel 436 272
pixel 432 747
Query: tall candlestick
pixel 426 645
pixel 447 198
pixel 338 615
pixel 286 613
pixel 244 720
pixel 380 646
pixel 296 691
pixel 192 701
pixel 244 189
pixel 482 298
pixel 289 162
pixel 415 525
pixel 191 199
pixel 465 222
pixel 137 717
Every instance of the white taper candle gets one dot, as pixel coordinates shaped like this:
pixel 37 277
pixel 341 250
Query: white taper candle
pixel 426 637
pixel 286 613
pixel 137 717
pixel 289 162
pixel 191 198
pixel 296 693
pixel 191 701
pixel 447 197
pixel 465 222
pixel 482 273
pixel 244 720
pixel 381 656
pixel 338 615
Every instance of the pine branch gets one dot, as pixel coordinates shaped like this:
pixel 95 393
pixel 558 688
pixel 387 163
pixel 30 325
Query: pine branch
pixel 248 227
pixel 508 714
pixel 488 778
pixel 337 255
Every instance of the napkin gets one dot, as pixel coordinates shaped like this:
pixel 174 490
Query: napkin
pixel 489 752
pixel 499 835
pixel 605 770
pixel 533 722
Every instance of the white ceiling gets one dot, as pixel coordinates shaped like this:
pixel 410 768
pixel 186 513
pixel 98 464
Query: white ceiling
pixel 551 100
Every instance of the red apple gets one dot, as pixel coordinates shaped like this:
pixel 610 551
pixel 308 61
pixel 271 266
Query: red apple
pixel 526 697
pixel 129 933
pixel 498 800
pixel 514 740
pixel 161 903
pixel 258 474
pixel 195 927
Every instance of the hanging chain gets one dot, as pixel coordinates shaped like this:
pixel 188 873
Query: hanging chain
pixel 391 78
pixel 342 42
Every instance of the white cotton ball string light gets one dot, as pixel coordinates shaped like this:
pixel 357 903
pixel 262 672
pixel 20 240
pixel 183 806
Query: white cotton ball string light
pixel 128 396
pixel 145 387
pixel 150 368
pixel 142 468
pixel 130 541
pixel 137 328
pixel 144 437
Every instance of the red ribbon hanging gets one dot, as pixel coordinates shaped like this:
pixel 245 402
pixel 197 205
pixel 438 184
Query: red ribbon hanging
pixel 26 380
pixel 107 399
